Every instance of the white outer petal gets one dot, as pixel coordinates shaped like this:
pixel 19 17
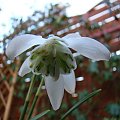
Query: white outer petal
pixel 21 43
pixel 75 64
pixel 76 54
pixel 69 82
pixel 75 35
pixel 24 69
pixel 55 90
pixel 89 47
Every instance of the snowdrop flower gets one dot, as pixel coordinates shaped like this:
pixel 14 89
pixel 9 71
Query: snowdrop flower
pixel 53 58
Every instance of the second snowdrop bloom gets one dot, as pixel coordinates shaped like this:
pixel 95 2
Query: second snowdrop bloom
pixel 53 58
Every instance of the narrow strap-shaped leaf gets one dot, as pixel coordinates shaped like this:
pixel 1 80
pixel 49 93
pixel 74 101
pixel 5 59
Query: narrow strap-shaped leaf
pixel 79 103
pixel 27 100
pixel 35 99
pixel 40 115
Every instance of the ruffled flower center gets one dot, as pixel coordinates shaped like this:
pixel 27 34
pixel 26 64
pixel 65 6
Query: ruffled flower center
pixel 53 58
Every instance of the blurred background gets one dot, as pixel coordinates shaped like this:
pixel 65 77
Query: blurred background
pixel 96 19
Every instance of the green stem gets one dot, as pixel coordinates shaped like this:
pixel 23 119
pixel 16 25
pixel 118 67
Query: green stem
pixel 35 99
pixel 27 98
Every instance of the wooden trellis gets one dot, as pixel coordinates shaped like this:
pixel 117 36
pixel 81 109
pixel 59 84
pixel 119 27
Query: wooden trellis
pixel 8 79
pixel 102 23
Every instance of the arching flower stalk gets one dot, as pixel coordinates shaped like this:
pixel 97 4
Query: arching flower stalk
pixel 53 58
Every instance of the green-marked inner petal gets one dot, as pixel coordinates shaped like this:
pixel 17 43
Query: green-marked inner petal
pixel 52 59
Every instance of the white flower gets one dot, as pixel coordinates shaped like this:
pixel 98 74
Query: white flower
pixel 53 58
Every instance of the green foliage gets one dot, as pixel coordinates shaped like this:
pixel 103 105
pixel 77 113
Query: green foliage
pixel 81 101
pixel 78 115
pixel 83 93
pixel 52 114
pixel 40 115
pixel 111 118
pixel 93 67
pixel 64 106
pixel 21 109
pixel 113 109
pixel 115 62
pixel 95 26
pixel 107 75
pixel 79 60
pixel 20 95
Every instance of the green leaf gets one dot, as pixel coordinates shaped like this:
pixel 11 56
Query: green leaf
pixel 40 115
pixel 107 75
pixel 79 103
pixel 93 67
pixel 83 94
pixel 113 109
